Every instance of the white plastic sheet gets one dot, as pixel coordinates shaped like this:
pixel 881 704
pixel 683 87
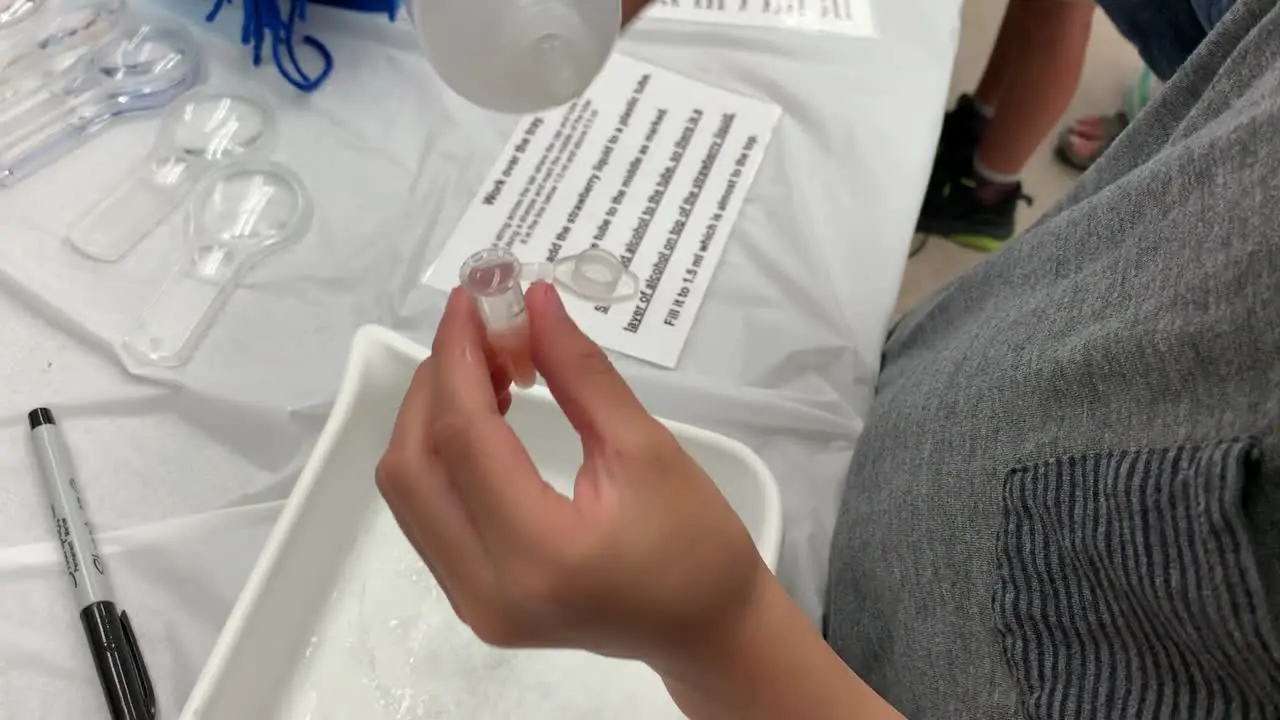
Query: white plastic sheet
pixel 178 580
pixel 783 355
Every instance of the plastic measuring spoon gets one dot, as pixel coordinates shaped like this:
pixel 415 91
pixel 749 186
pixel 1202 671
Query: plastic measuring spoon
pixel 494 276
pixel 13 12
pixel 141 66
pixel 200 131
pixel 236 216
pixel 56 44
pixel 126 58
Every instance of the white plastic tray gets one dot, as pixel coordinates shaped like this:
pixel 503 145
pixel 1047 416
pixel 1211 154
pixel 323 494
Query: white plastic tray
pixel 341 620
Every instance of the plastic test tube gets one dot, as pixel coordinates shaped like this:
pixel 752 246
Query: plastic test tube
pixel 494 276
pixel 493 279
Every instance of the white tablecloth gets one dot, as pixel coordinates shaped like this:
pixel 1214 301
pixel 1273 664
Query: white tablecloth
pixel 184 470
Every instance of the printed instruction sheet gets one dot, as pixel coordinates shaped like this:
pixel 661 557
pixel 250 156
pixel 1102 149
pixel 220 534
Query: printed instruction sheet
pixel 649 165
pixel 845 17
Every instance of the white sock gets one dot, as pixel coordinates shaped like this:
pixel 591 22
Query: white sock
pixel 983 109
pixel 990 176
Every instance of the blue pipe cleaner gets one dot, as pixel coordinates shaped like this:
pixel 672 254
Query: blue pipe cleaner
pixel 263 19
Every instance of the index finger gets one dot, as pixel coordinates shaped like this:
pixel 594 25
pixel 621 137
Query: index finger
pixel 489 466
pixel 421 499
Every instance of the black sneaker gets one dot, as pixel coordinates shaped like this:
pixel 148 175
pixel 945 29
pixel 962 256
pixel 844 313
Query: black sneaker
pixel 962 130
pixel 956 213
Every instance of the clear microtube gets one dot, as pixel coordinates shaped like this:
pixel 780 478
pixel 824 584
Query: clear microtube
pixel 201 131
pixel 494 278
pixel 236 216
pixel 141 66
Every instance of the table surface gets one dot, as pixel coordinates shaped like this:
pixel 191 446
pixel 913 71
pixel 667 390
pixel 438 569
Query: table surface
pixel 185 470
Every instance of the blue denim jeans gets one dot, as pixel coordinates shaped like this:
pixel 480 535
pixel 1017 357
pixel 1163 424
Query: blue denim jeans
pixel 1165 32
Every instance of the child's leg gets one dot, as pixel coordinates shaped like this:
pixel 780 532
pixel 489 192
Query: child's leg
pixel 1030 78
pixel 1038 73
pixel 1003 55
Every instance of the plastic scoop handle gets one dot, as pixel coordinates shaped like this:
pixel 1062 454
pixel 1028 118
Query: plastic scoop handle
pixel 28 102
pixel 181 313
pixel 147 195
pixel 13 88
pixel 25 145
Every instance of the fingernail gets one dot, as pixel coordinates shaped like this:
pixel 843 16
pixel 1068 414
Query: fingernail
pixel 552 295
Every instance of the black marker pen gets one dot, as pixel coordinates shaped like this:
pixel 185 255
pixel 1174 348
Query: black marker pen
pixel 111 640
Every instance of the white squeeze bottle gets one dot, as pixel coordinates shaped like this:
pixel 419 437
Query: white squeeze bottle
pixel 517 56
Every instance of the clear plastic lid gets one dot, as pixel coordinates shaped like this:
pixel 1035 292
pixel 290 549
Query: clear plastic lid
pixel 595 275
pixel 203 129
pixel 141 66
pixel 236 216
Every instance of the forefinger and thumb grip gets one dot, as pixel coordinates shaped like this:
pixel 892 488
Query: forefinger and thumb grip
pixel 579 374
pixel 465 353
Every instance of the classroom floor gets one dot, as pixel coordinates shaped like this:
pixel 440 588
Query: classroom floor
pixel 1111 66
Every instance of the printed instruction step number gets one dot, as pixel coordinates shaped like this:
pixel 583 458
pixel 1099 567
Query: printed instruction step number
pixel 649 165
pixel 844 17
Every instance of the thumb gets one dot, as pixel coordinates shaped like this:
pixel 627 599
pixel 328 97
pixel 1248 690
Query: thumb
pixel 583 381
pixel 631 8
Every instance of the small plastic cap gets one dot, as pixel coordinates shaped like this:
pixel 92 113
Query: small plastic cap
pixel 597 275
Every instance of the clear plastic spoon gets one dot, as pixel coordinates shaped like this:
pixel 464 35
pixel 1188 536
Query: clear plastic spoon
pixel 56 44
pixel 13 12
pixel 237 216
pixel 46 66
pixel 202 130
pixel 142 66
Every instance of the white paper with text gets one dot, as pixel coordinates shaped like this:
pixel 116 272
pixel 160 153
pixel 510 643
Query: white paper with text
pixel 649 165
pixel 845 17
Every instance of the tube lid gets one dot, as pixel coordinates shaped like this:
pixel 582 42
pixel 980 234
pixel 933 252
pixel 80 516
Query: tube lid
pixel 595 275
